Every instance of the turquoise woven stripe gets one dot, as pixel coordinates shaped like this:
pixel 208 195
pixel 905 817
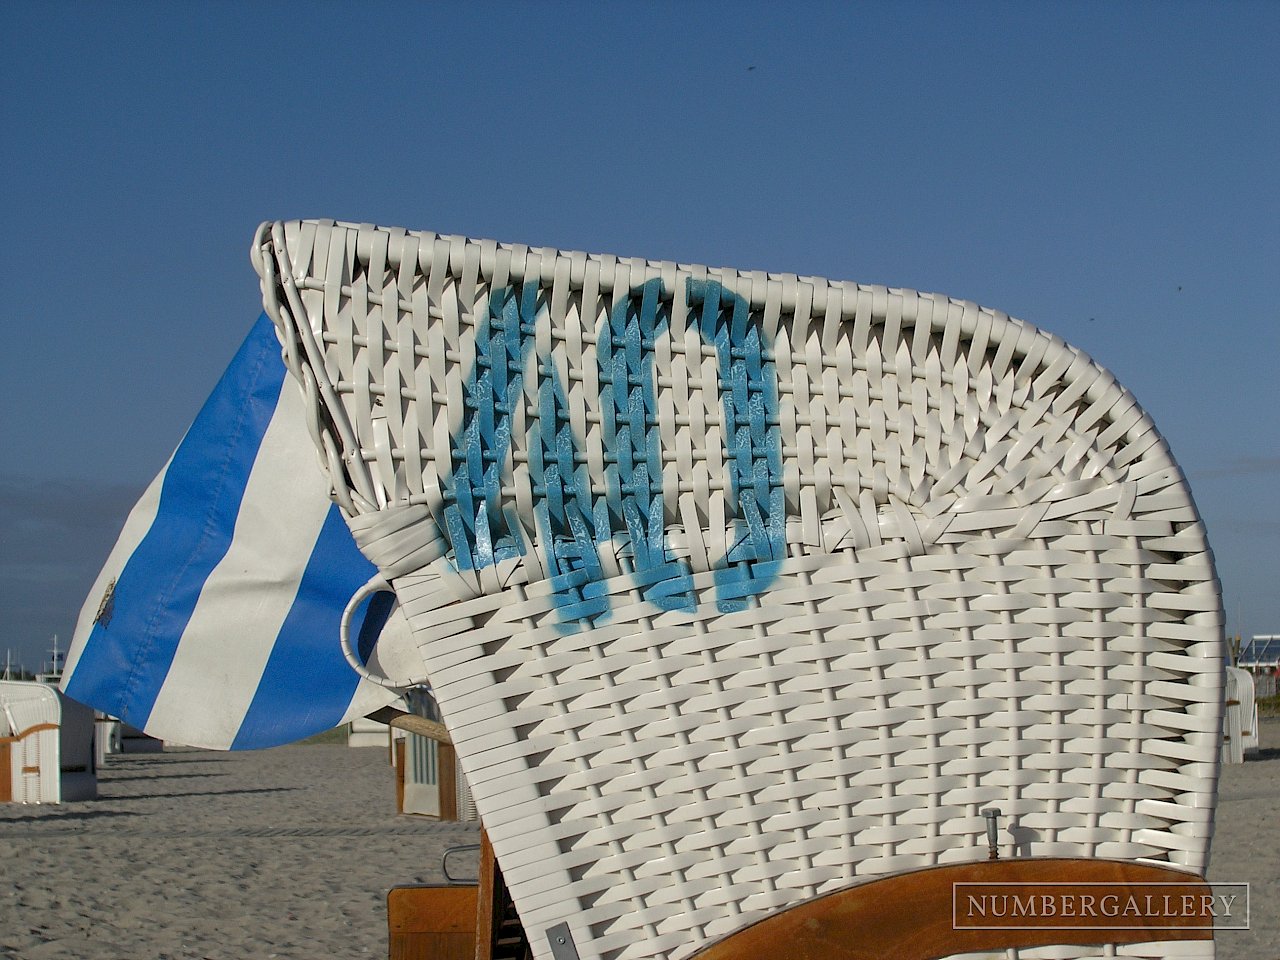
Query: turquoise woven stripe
pixel 477 526
pixel 633 445
pixel 565 510
pixel 749 388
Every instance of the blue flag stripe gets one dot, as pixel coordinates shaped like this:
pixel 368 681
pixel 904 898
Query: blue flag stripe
pixel 125 662
pixel 306 669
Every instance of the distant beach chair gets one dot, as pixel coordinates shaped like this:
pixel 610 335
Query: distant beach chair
pixel 107 737
pixel 429 779
pixel 364 732
pixel 47 752
pixel 133 740
pixel 752 601
pixel 77 750
pixel 1240 723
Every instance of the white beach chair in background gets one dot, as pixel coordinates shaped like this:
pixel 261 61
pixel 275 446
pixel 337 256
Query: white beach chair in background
pixel 738 589
pixel 77 750
pixel 1240 723
pixel 30 731
pixel 1248 712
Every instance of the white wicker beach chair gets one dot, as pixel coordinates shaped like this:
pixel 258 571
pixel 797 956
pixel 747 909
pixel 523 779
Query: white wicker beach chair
pixel 1240 724
pixel 736 589
pixel 30 747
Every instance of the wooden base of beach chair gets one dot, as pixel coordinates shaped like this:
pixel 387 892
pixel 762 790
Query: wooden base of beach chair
pixel 457 922
pixel 497 923
pixel 924 915
pixel 432 922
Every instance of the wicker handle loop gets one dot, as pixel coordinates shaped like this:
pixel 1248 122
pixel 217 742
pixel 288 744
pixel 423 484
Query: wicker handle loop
pixel 376 584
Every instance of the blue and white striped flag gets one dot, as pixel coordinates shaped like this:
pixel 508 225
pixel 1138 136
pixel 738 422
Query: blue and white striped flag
pixel 215 620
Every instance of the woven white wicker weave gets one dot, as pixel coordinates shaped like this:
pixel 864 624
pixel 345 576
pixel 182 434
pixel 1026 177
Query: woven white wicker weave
pixel 734 587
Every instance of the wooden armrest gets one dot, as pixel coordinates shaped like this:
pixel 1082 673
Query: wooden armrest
pixel 431 729
pixel 915 916
pixel 23 734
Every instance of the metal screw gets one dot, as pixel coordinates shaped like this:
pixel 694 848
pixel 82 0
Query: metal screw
pixel 993 833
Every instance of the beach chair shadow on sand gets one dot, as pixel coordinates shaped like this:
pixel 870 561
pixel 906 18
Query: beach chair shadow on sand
pixel 762 611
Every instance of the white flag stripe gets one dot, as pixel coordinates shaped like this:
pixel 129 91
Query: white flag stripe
pixel 211 683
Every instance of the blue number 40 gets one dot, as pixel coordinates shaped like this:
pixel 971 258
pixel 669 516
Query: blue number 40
pixel 572 519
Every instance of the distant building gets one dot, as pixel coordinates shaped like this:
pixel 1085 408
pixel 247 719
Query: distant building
pixel 1262 652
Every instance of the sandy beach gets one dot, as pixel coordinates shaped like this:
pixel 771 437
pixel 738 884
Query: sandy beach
pixel 284 853
pixel 1246 846
pixel 288 853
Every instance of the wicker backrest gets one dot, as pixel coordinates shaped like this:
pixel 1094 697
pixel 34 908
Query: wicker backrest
pixel 736 587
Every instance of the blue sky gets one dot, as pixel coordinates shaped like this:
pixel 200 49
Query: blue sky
pixel 1105 171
